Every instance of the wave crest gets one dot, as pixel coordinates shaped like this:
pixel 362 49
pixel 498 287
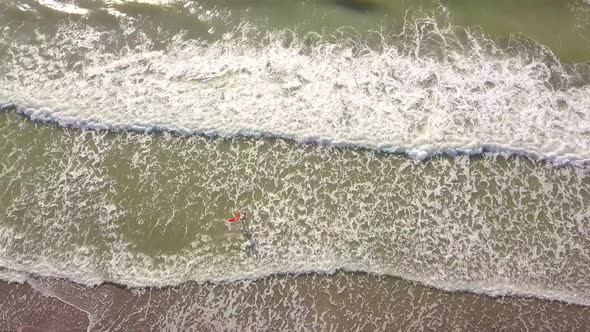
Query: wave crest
pixel 430 89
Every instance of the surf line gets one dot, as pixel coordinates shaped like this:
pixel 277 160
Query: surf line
pixel 250 244
pixel 6 106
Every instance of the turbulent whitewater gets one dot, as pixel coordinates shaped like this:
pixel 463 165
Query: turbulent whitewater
pixel 188 129
pixel 430 89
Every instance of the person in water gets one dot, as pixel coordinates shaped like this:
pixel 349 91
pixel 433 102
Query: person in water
pixel 250 244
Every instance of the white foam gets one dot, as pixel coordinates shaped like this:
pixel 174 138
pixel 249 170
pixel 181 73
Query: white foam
pixel 24 7
pixel 396 99
pixel 63 7
pixel 4 105
pixel 477 97
pixel 313 210
pixel 156 278
pixel 11 276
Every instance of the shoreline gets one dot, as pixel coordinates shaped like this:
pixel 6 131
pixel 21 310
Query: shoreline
pixel 291 301
pixel 29 277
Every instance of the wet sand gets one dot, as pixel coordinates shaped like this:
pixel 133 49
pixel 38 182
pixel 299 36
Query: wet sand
pixel 23 308
pixel 344 301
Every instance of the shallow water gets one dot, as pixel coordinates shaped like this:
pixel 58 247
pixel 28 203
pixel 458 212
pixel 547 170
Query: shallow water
pixel 443 143
pixel 307 302
pixel 148 209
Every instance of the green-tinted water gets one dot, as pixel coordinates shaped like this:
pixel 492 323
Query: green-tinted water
pixel 166 117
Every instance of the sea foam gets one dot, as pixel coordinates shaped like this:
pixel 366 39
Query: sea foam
pixel 430 90
pixel 4 105
pixel 148 211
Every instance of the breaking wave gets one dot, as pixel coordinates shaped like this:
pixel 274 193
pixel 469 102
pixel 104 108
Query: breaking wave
pixel 429 90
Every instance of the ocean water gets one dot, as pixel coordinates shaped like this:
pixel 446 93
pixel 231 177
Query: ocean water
pixel 386 150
